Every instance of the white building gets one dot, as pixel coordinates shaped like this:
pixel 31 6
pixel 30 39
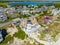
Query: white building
pixel 51 7
pixel 25 11
pixel 55 12
pixel 44 7
pixel 10 12
pixel 29 25
pixel 1 10
pixel 24 7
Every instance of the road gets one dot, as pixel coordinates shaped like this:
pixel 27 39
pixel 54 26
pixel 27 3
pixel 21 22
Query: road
pixel 3 24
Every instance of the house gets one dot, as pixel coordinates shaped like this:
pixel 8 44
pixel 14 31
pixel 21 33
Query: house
pixel 45 19
pixel 24 7
pixel 35 10
pixel 25 11
pixel 51 7
pixel 44 7
pixel 1 10
pixel 3 17
pixel 29 25
pixel 55 11
pixel 10 12
pixel 35 6
pixel 12 9
pixel 13 14
pixel 17 20
pixel 19 10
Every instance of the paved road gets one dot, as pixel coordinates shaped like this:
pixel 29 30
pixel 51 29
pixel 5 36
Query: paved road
pixel 3 24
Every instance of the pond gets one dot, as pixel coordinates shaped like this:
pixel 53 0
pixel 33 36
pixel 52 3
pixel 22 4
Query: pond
pixel 3 34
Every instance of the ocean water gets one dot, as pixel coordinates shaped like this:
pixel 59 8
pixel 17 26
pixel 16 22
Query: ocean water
pixel 29 3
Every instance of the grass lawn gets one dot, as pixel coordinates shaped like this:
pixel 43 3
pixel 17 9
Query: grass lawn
pixel 3 4
pixel 20 34
pixel 8 38
pixel 53 30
